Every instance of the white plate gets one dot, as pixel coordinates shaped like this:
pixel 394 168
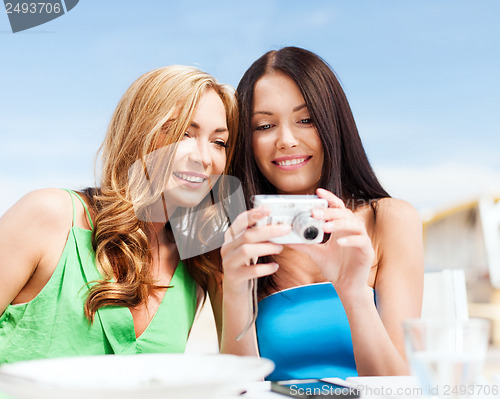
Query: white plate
pixel 145 376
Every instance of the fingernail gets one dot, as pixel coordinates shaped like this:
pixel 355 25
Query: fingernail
pixel 342 240
pixel 258 212
pixel 263 210
pixel 279 248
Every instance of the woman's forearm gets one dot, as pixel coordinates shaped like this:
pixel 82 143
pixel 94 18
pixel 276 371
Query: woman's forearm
pixel 374 351
pixel 236 314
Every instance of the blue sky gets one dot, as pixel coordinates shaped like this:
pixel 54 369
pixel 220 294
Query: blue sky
pixel 421 77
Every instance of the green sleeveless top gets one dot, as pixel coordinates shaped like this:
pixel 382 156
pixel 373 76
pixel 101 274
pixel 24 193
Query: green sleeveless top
pixel 53 324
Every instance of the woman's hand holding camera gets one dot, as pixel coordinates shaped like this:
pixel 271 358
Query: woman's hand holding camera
pixel 346 257
pixel 244 242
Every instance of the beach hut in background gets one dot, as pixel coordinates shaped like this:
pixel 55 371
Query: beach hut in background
pixel 467 237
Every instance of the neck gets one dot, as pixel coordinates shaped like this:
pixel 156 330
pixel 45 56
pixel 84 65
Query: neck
pixel 163 251
pixel 157 234
pixel 157 227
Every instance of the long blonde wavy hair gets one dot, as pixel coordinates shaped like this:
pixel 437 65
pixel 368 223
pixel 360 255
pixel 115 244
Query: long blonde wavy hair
pixel 155 111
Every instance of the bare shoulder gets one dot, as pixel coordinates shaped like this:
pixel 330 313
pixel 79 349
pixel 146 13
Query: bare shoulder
pixel 32 234
pixel 398 232
pixel 393 213
pixel 37 219
pixel 49 199
pixel 46 208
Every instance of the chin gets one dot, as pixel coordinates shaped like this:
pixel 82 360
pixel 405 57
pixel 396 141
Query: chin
pixel 186 200
pixel 295 189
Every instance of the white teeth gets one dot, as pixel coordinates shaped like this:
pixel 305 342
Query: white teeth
pixel 289 162
pixel 192 179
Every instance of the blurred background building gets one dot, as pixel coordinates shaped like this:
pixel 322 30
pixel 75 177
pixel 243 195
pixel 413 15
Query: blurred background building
pixel 467 237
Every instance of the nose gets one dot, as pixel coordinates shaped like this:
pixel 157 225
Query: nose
pixel 201 154
pixel 286 138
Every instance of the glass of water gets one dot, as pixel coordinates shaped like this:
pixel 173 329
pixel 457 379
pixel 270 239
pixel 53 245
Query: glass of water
pixel 447 356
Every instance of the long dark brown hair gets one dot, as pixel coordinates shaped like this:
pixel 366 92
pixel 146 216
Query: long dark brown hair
pixel 346 170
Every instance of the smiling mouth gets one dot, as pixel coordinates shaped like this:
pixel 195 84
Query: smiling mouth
pixel 290 162
pixel 189 178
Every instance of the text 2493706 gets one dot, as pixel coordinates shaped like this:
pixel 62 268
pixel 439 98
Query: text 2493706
pixel 34 8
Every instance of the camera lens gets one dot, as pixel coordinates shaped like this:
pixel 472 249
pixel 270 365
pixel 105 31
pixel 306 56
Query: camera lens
pixel 311 233
pixel 307 228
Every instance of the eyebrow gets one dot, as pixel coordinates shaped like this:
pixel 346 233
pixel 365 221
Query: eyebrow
pixel 298 108
pixel 218 130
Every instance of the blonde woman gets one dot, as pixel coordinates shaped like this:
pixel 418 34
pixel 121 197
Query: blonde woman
pixel 99 272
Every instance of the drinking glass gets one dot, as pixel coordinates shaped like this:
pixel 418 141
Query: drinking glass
pixel 446 355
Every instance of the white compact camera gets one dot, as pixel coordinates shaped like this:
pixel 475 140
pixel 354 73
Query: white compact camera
pixel 296 211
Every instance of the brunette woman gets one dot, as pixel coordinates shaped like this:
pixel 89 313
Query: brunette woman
pixel 326 310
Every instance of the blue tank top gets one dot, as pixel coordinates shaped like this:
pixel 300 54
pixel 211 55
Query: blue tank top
pixel 304 330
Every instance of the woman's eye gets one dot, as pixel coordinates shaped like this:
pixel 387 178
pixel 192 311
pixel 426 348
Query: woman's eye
pixel 263 127
pixel 187 135
pixel 306 121
pixel 220 144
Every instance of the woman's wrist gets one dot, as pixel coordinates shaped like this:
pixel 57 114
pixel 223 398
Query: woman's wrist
pixel 356 297
pixel 235 293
